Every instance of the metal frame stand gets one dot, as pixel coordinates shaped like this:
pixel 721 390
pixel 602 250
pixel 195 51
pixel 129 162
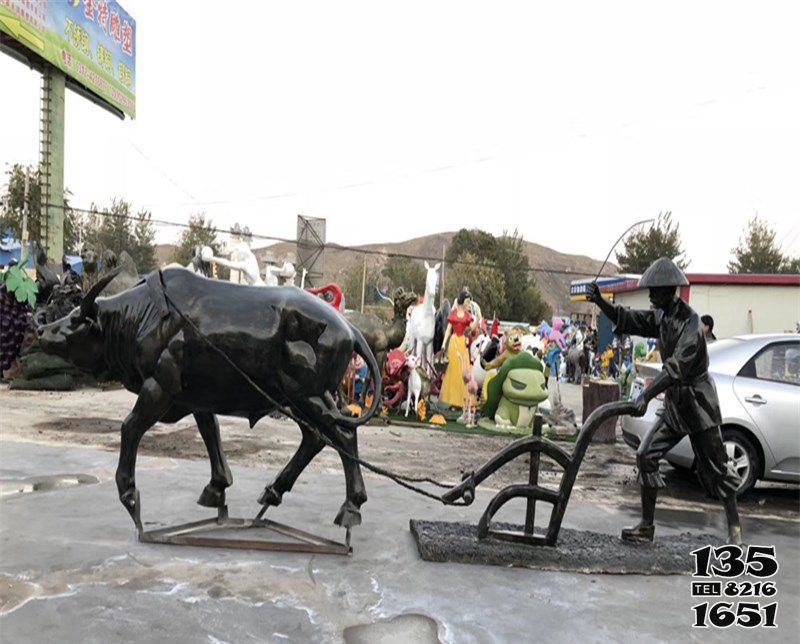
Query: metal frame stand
pixel 534 446
pixel 528 535
pixel 187 534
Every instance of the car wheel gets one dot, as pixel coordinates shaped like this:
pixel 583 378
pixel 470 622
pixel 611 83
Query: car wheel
pixel 744 457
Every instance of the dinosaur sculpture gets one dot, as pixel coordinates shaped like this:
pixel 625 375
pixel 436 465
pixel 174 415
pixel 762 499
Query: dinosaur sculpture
pixel 382 337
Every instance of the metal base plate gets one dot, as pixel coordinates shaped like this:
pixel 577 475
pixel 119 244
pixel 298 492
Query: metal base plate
pixel 264 535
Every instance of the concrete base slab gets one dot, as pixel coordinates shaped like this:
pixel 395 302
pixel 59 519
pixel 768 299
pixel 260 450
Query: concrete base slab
pixel 581 551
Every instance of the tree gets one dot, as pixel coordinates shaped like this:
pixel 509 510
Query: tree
pixel 758 252
pixel 352 285
pixel 241 233
pixel 13 200
pixel 486 283
pixel 479 243
pixel 406 273
pixel 199 233
pixel 115 228
pixel 791 266
pixel 644 246
pixel 144 252
pixel 497 271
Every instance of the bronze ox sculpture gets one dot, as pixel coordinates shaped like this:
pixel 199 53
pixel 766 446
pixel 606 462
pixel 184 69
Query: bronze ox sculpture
pixel 172 339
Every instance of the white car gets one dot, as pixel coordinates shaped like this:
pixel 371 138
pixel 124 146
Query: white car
pixel 758 383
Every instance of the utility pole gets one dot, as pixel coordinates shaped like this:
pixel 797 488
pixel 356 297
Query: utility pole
pixel 25 210
pixel 441 289
pixel 51 162
pixel 363 282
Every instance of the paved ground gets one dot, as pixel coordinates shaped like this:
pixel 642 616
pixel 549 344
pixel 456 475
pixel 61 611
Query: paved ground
pixel 73 572
pixel 70 567
pixel 90 417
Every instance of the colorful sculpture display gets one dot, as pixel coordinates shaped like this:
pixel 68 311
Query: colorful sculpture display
pixel 514 394
pixel 691 406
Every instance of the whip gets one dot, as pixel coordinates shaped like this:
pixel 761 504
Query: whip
pixel 627 230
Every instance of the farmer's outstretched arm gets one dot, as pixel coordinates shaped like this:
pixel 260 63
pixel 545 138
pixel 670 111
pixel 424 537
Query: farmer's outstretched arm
pixel 643 323
pixel 594 295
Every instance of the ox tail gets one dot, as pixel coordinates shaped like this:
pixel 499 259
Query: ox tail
pixel 362 349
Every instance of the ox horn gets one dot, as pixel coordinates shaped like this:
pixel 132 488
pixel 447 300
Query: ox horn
pixel 87 303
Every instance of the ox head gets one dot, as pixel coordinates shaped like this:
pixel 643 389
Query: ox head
pixel 77 337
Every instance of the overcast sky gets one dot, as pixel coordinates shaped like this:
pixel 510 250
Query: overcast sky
pixel 566 120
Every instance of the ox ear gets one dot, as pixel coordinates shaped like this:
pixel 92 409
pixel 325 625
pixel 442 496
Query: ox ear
pixel 87 304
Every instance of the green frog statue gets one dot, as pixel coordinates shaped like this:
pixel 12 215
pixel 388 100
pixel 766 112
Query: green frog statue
pixel 514 394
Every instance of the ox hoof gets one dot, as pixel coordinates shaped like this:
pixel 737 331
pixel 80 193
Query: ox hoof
pixel 349 515
pixel 270 496
pixel 130 499
pixel 212 497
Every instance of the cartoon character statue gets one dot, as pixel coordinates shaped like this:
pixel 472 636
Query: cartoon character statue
pixel 627 372
pixel 455 344
pixel 513 346
pixel 418 385
pixel 605 363
pixel 653 354
pixel 394 379
pixel 470 394
pixel 514 394
pixel 557 334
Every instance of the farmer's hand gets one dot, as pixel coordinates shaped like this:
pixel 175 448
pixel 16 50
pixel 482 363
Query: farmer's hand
pixel 640 406
pixel 593 293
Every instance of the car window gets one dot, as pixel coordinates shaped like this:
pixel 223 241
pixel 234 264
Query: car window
pixel 777 362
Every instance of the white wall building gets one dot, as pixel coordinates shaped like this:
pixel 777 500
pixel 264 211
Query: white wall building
pixel 739 304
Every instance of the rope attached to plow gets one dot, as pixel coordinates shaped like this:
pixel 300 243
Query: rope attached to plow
pixel 404 481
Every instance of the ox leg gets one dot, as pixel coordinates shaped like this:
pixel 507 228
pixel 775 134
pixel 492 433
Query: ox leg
pixel 321 414
pixel 213 496
pixel 356 493
pixel 310 446
pixel 153 402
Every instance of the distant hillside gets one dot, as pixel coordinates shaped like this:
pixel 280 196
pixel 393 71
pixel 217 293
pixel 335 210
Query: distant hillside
pixel 552 281
pixel 164 253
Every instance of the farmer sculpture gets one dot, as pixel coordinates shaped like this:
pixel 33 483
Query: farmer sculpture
pixel 691 405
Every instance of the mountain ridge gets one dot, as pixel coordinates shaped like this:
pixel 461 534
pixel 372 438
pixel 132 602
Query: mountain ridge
pixel 554 269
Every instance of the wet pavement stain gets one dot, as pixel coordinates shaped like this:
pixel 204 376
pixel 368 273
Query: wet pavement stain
pixel 13 487
pixel 412 627
pixel 14 593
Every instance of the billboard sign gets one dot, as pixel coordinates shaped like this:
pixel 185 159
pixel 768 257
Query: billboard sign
pixel 92 41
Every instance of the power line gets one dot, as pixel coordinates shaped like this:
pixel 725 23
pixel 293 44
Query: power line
pixel 327 245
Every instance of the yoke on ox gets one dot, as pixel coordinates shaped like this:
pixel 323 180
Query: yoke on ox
pixel 189 345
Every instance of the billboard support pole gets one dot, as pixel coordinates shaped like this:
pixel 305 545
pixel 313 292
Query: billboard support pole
pixel 51 161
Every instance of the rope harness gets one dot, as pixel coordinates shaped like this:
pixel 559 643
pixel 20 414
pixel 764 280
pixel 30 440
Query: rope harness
pixel 404 481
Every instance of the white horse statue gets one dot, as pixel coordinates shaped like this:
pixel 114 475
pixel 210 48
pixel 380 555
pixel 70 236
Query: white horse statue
pixel 420 327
